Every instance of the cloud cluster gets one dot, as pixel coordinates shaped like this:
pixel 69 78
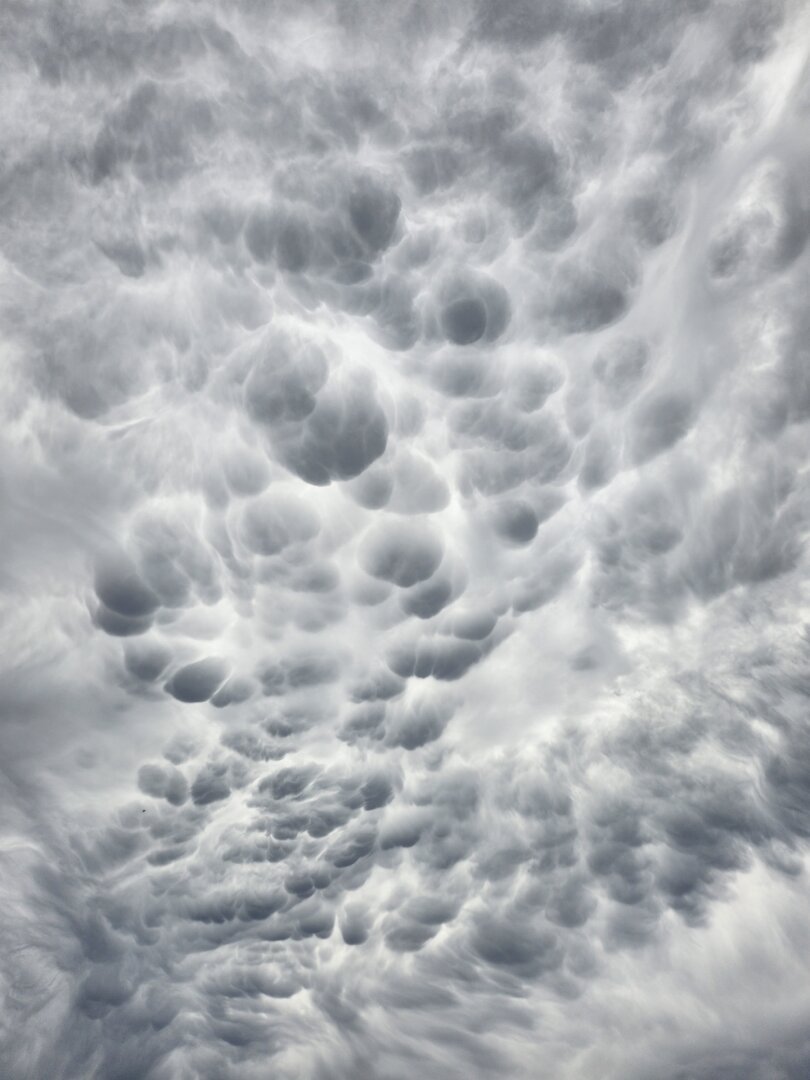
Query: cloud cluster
pixel 405 501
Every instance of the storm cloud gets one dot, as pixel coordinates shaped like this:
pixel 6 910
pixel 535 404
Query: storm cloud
pixel 403 511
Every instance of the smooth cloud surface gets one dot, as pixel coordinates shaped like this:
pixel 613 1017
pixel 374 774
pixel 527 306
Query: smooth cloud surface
pixel 405 656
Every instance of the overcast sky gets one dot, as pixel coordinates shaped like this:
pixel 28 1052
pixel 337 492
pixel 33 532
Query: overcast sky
pixel 405 650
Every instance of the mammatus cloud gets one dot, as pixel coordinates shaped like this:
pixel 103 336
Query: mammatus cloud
pixel 405 652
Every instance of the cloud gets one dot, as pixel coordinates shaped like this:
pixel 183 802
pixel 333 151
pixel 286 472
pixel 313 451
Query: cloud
pixel 403 467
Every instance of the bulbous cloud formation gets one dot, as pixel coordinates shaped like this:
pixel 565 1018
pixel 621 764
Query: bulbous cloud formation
pixel 405 657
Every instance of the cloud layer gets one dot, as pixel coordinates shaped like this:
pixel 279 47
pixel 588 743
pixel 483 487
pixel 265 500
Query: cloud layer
pixel 405 652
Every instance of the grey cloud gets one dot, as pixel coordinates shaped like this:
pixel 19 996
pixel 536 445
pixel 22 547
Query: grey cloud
pixel 531 383
pixel 246 474
pixel 346 432
pixel 233 691
pixel 473 625
pixel 465 374
pixel 425 601
pixel 163 783
pixel 516 522
pixel 599 460
pixel 765 230
pixel 373 212
pixel 300 670
pixel 284 380
pixel 294 244
pixel 426 392
pixel 441 658
pixel 274 521
pixel 518 23
pixel 353 925
pixel 418 488
pixel 146 660
pixel 398 325
pixel 619 367
pixel 431 167
pixel 504 449
pixel 402 553
pixel 260 234
pixel 252 746
pixel 660 421
pixel 584 299
pixel 413 727
pixel 373 488
pixel 376 792
pixel 288 782
pixel 175 563
pixel 120 625
pixel 473 309
pixel 210 785
pixel 197 681
pixel 122 591
pixel 378 687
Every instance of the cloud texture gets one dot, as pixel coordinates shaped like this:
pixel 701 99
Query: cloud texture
pixel 403 465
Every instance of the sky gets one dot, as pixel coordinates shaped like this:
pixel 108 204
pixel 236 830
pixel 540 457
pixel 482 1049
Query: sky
pixel 404 493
